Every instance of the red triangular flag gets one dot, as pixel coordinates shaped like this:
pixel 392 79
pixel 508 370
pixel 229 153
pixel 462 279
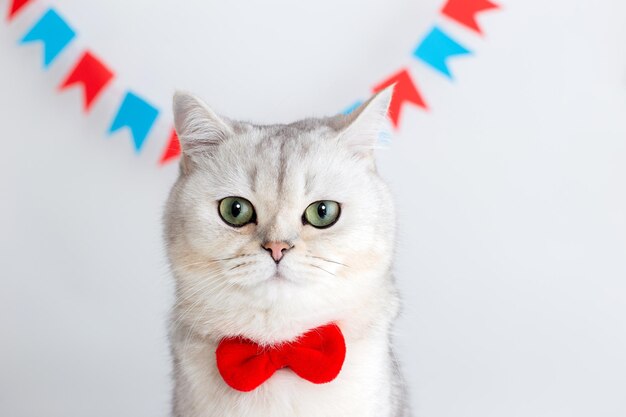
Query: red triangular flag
pixel 92 74
pixel 404 91
pixel 172 149
pixel 465 11
pixel 16 6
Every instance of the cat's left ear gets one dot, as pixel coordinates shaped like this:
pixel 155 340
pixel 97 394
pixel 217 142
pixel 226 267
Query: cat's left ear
pixel 361 130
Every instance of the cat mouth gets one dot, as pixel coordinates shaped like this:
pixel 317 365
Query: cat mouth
pixel 278 276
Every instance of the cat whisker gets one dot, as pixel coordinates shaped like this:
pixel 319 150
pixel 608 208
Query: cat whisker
pixel 200 316
pixel 319 267
pixel 328 260
pixel 202 288
pixel 201 291
pixel 207 263
pixel 238 265
pixel 244 255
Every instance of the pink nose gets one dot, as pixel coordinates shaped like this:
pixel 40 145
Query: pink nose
pixel 277 249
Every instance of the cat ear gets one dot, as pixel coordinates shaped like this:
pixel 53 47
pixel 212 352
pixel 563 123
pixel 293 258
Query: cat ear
pixel 361 129
pixel 199 128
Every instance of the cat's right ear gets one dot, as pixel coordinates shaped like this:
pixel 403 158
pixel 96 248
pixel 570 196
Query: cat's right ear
pixel 199 128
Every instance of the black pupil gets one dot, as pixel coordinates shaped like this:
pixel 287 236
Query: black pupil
pixel 321 210
pixel 235 209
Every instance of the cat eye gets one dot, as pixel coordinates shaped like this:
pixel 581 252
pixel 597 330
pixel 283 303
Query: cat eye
pixel 321 214
pixel 236 211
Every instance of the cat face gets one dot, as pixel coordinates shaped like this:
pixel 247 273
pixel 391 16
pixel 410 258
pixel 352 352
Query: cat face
pixel 272 230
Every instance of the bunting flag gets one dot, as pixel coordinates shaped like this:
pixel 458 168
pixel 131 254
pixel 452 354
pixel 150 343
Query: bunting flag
pixel 172 149
pixel 352 107
pixel 137 115
pixel 405 91
pixel 465 11
pixel 16 6
pixel 92 74
pixel 53 32
pixel 436 48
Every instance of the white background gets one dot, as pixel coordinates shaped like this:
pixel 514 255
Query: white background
pixel 511 194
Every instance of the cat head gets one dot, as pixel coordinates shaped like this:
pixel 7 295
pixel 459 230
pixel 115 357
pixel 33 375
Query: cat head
pixel 275 229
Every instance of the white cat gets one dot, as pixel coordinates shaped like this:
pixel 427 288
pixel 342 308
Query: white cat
pixel 272 231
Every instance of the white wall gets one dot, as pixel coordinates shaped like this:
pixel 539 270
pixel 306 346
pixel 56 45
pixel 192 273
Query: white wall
pixel 511 194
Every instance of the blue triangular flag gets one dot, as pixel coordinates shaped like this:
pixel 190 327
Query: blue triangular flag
pixel 352 107
pixel 136 114
pixel 53 32
pixel 436 48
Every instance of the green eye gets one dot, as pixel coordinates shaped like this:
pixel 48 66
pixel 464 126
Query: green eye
pixel 236 211
pixel 322 214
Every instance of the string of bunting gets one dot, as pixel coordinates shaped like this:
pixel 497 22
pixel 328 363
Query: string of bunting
pixel 139 116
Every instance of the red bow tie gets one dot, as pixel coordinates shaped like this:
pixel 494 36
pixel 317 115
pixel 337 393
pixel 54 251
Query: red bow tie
pixel 316 356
